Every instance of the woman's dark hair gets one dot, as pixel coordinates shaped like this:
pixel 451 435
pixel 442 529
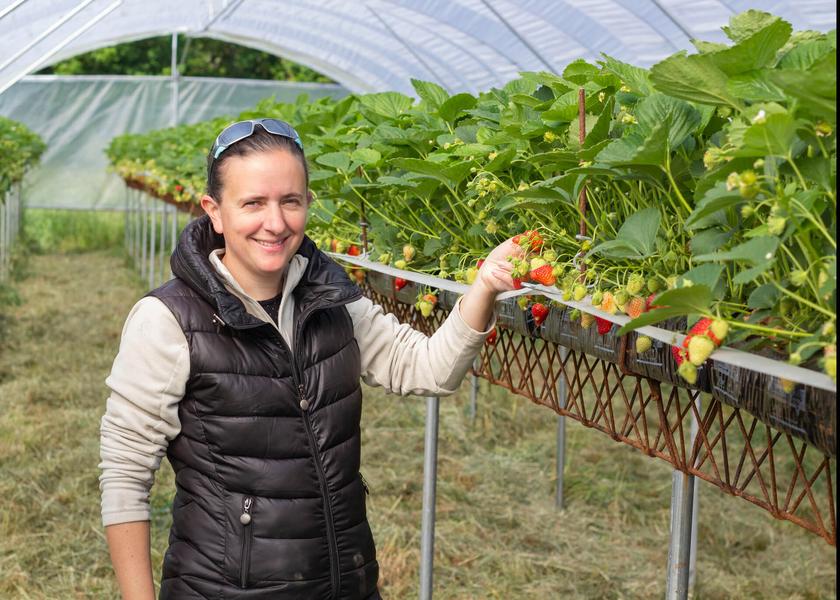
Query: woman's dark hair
pixel 259 141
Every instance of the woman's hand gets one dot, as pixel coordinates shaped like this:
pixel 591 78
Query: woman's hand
pixel 494 277
pixel 495 273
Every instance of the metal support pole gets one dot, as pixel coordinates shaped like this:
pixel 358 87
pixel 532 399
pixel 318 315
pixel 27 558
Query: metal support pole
pixel 174 239
pixel 692 569
pixel 474 389
pixel 175 79
pixel 135 215
pixel 143 236
pixel 152 245
pixel 3 241
pixel 427 532
pixel 562 392
pixel 162 250
pixel 683 530
pixel 127 221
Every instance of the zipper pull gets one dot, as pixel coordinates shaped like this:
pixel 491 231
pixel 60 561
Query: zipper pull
pixel 245 517
pixel 304 403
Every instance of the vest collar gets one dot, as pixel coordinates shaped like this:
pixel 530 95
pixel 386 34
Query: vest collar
pixel 324 283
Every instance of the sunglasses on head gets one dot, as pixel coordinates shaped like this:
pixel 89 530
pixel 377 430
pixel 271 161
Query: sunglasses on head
pixel 245 129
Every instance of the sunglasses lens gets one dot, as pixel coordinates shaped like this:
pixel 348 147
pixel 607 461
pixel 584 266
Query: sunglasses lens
pixel 278 127
pixel 234 133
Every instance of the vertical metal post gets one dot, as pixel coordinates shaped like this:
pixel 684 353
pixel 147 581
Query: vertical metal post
pixel 163 215
pixel 562 391
pixel 174 239
pixel 144 201
pixel 692 568
pixel 175 79
pixel 683 530
pixel 152 246
pixel 427 532
pixel 3 240
pixel 474 388
pixel 127 219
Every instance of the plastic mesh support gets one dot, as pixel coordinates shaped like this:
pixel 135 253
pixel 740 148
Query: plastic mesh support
pixel 732 449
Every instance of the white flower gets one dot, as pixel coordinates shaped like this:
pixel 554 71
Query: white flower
pixel 761 117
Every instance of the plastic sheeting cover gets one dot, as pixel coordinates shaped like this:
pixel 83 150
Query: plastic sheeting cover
pixel 78 116
pixel 378 45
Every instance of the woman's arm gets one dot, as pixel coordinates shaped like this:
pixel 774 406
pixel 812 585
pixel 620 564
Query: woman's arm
pixel 404 361
pixel 130 554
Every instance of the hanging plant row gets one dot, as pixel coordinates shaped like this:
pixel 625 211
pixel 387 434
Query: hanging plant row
pixel 20 148
pixel 709 183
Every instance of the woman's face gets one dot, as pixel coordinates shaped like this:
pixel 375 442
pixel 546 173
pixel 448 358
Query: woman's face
pixel 262 215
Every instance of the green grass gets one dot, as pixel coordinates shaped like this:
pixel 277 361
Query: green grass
pixel 498 533
pixel 71 231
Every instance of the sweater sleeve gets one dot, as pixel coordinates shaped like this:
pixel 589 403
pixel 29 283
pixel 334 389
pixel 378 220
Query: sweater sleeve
pixel 405 361
pixel 147 380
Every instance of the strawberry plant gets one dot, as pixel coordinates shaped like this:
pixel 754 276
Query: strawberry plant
pixel 20 148
pixel 710 183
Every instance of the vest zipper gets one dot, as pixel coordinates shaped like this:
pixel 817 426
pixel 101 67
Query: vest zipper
pixel 335 577
pixel 245 559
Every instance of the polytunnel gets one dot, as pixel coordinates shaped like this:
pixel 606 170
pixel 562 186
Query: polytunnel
pixel 697 187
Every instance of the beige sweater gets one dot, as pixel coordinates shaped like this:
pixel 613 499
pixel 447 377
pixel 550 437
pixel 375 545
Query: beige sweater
pixel 150 372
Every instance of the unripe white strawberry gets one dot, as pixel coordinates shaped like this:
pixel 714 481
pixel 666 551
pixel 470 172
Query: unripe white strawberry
pixel 579 293
pixel 688 372
pixel 643 344
pixel 700 348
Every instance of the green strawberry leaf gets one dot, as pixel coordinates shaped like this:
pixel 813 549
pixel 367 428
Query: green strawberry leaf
pixel 431 93
pixel 764 296
pixel 366 156
pixel 455 106
pixel 772 137
pixel 715 199
pixel 756 251
pixel 337 160
pixel 635 239
pixel 696 78
pixel 386 104
pixel 749 275
pixel 706 275
pixel 754 51
pixel 709 240
pixel 636 78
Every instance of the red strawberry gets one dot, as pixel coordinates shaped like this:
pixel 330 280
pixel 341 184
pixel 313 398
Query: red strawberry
pixel 539 312
pixel 491 337
pixel 543 275
pixel 354 251
pixel 701 326
pixel 530 240
pixel 603 325
pixel 677 353
pixel 400 283
pixel 479 263
pixel 634 307
pixel 178 187
pixel 517 283
pixel 649 305
pixel 359 275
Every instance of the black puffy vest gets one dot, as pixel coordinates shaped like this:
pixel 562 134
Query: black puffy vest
pixel 270 503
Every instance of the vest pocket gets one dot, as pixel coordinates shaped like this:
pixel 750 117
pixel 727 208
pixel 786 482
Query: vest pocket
pixel 245 520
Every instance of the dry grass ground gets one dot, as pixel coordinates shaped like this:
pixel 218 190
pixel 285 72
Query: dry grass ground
pixel 498 534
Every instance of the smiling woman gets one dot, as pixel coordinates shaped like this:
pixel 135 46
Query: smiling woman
pixel 245 371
